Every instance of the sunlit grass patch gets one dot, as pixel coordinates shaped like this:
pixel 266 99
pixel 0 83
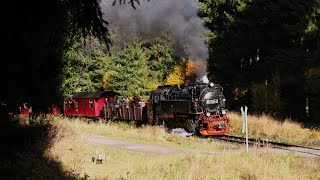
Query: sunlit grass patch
pixel 267 127
pixel 75 154
pixel 264 127
pixel 145 134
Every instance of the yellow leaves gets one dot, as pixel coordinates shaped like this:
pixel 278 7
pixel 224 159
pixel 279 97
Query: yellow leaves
pixel 176 77
pixel 183 73
pixel 153 85
pixel 106 82
pixel 79 89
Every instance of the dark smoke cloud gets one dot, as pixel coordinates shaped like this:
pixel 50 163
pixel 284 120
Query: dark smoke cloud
pixel 176 18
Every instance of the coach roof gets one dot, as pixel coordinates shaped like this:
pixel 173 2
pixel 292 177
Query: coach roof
pixel 97 94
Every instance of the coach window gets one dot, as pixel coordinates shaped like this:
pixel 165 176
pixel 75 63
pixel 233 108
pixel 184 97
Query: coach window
pixel 65 104
pixel 91 104
pixel 70 104
pixel 76 104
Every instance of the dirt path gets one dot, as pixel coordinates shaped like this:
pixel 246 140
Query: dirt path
pixel 158 149
pixel 146 148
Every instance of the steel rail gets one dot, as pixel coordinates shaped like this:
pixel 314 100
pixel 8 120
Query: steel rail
pixel 265 142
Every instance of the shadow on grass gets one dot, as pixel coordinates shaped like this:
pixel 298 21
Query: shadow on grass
pixel 22 154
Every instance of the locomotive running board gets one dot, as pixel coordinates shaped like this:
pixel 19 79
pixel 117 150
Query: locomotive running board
pixel 210 132
pixel 213 128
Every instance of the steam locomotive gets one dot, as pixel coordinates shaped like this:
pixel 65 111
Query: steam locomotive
pixel 196 107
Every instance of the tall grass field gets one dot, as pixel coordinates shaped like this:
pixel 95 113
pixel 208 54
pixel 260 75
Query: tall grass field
pixel 267 127
pixel 75 153
pixel 71 149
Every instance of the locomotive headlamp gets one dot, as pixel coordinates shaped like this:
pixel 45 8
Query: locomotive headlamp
pixel 211 84
pixel 224 111
pixel 208 114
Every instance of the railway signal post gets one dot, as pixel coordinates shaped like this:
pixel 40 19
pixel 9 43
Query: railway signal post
pixel 245 124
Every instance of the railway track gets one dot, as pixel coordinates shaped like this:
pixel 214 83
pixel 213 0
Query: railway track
pixel 312 151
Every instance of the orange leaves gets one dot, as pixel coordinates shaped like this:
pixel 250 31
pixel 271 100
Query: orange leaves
pixel 191 75
pixel 183 73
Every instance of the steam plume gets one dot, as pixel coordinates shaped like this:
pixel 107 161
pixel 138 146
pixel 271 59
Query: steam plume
pixel 176 18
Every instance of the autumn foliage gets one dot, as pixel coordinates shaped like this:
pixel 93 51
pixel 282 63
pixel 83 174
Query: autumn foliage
pixel 176 76
pixel 184 72
pixel 191 75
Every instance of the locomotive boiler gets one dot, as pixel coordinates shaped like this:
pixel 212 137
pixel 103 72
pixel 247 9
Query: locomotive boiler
pixel 198 108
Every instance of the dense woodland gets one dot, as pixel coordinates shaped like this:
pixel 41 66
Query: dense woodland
pixel 265 53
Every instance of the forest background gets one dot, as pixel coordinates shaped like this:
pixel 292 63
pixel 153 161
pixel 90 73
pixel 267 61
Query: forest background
pixel 266 55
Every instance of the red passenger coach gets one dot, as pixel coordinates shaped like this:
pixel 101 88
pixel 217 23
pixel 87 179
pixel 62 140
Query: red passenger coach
pixel 86 104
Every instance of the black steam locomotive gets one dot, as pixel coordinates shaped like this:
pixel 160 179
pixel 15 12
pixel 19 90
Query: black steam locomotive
pixel 196 107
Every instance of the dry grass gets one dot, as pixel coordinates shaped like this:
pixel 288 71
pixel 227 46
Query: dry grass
pixel 263 127
pixel 267 127
pixel 145 134
pixel 75 155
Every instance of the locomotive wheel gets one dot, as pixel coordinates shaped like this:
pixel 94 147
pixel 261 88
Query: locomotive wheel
pixel 170 123
pixel 190 125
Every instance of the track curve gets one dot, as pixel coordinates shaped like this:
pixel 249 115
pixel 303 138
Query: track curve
pixel 272 144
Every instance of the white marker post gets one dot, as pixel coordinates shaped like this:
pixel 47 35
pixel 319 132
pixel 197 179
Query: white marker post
pixel 243 121
pixel 245 124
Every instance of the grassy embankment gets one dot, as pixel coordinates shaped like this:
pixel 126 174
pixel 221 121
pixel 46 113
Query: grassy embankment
pixel 269 128
pixel 75 155
pixel 145 134
pixel 259 127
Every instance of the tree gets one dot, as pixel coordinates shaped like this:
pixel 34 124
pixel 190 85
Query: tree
pixel 191 75
pixel 106 81
pixel 184 72
pixel 313 89
pixel 311 46
pixel 140 67
pixel 256 40
pixel 131 67
pixel 84 65
pixel 176 76
pixel 35 35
